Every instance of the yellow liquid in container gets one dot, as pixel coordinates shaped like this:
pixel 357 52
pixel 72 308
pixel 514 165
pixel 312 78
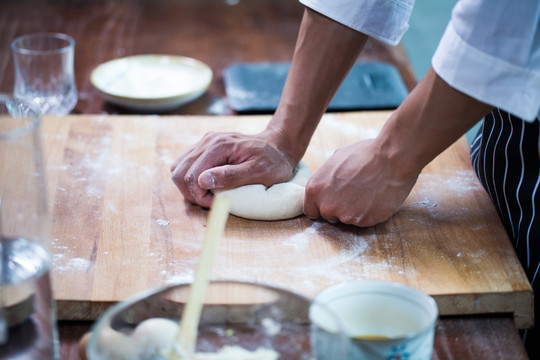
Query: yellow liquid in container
pixel 371 337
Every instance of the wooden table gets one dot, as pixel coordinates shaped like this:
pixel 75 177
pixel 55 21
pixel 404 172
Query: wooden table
pixel 219 33
pixel 120 225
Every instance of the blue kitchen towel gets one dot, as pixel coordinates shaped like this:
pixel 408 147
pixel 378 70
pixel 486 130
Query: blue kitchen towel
pixel 257 87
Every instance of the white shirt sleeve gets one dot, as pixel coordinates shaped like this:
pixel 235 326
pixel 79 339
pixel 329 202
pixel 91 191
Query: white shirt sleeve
pixel 491 52
pixel 385 20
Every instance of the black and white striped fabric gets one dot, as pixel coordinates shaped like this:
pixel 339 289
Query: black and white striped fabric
pixel 506 157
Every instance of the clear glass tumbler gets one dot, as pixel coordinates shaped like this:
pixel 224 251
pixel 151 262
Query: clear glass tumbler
pixel 44 72
pixel 27 309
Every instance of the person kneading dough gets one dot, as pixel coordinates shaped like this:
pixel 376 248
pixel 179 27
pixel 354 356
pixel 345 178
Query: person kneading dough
pixel 277 202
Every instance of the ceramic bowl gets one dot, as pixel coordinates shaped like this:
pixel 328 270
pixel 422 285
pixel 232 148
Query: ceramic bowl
pixel 382 321
pixel 152 83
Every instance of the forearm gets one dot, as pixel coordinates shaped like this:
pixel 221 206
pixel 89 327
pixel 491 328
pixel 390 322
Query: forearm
pixel 325 52
pixel 430 119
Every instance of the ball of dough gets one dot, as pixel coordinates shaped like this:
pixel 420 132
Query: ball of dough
pixel 83 344
pixel 155 334
pixel 116 346
pixel 237 353
pixel 277 202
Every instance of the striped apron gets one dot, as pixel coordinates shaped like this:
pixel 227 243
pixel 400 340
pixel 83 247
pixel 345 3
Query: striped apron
pixel 506 157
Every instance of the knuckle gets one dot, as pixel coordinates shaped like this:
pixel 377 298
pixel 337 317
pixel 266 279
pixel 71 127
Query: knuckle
pixel 209 135
pixel 350 219
pixel 312 189
pixel 327 212
pixel 189 177
pixel 213 139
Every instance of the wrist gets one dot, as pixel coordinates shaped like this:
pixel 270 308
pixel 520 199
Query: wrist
pixel 428 121
pixel 289 136
pixel 400 149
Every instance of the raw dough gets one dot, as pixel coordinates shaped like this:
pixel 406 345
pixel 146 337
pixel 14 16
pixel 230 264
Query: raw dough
pixel 238 353
pixel 155 334
pixel 155 339
pixel 116 345
pixel 278 202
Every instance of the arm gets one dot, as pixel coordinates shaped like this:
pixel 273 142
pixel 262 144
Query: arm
pixel 324 54
pixel 380 173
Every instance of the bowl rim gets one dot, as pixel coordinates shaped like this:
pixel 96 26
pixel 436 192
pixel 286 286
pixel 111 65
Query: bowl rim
pixel 204 69
pixel 348 288
pixel 128 301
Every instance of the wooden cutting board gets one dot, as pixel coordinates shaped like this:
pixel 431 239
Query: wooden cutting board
pixel 119 224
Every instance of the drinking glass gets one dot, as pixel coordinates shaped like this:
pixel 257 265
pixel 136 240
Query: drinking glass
pixel 44 71
pixel 27 310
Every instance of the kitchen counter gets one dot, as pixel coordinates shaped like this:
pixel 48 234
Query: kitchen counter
pixel 120 225
pixel 222 33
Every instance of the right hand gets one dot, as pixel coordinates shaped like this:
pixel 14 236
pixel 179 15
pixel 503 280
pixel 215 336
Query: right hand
pixel 358 185
pixel 228 160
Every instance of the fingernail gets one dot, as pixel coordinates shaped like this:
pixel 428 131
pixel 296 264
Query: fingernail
pixel 207 180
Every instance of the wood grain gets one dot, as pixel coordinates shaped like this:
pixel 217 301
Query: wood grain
pixel 121 226
pixel 217 32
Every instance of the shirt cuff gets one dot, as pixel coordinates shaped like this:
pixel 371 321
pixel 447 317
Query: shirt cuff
pixel 487 78
pixel 385 20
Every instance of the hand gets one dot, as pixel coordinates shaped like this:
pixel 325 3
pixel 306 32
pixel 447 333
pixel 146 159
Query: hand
pixel 227 160
pixel 366 183
pixel 357 185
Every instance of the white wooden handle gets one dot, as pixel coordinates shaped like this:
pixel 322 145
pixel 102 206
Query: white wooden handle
pixel 187 336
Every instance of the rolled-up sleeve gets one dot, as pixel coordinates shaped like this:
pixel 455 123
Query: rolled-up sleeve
pixel 491 52
pixel 385 20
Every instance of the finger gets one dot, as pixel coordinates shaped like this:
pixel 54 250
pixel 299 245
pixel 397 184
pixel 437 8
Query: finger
pixel 314 210
pixel 187 168
pixel 331 219
pixel 178 178
pixel 314 214
pixel 329 214
pixel 352 220
pixel 223 177
pixel 188 156
pixel 182 164
pixel 185 161
pixel 209 159
pixel 311 210
pixel 234 175
pixel 210 151
pixel 195 192
pixel 175 163
pixel 206 200
pixel 180 167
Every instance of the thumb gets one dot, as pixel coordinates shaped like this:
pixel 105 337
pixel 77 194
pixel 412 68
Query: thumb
pixel 207 180
pixel 229 176
pixel 220 177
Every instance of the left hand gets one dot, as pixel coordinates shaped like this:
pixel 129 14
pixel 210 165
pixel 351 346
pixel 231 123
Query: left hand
pixel 227 160
pixel 358 185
